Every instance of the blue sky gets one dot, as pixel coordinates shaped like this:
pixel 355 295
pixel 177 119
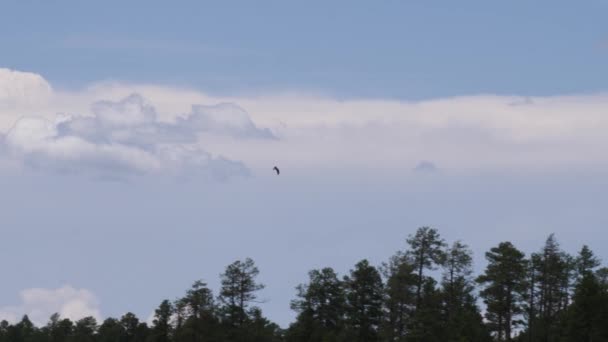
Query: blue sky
pixel 138 140
pixel 397 49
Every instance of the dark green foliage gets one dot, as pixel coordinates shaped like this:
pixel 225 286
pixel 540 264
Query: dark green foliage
pixel 462 320
pixel 602 276
pixel 426 251
pixel 399 297
pixel 238 291
pixel 503 289
pixel 321 308
pixel 84 330
pixel 364 294
pixel 161 328
pixel 587 316
pixel 426 324
pixel 110 331
pixel 260 329
pixel 586 262
pixel 59 329
pixel 552 271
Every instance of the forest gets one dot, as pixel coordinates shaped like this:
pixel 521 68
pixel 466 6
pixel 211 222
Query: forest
pixel 424 293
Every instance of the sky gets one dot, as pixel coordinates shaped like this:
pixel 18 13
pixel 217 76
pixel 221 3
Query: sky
pixel 137 140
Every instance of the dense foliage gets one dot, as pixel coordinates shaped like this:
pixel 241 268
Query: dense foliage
pixel 425 293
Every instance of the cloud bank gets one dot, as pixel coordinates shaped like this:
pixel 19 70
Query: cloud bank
pixel 39 304
pixel 119 128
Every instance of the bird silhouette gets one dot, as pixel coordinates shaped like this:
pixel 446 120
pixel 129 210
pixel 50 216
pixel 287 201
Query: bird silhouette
pixel 277 170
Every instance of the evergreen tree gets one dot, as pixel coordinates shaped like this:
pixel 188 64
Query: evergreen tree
pixel 463 321
pixel 587 319
pixel 132 329
pixel 364 294
pixel 427 325
pixel 320 307
pixel 195 315
pixel 602 276
pixel 400 296
pixel 111 330
pixel 552 270
pixel 4 330
pixel 23 331
pixel 504 288
pixel 198 300
pixel 239 288
pixel 561 298
pixel 586 262
pixel 162 329
pixel 456 281
pixel 84 330
pixel 260 329
pixel 57 329
pixel 142 332
pixel 426 251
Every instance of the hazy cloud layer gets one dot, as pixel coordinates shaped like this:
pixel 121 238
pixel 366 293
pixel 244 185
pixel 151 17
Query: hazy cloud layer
pixel 132 128
pixel 39 304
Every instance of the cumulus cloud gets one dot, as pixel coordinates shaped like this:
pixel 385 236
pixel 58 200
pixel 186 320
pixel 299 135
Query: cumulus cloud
pixel 40 303
pixel 22 88
pixel 224 118
pixel 127 137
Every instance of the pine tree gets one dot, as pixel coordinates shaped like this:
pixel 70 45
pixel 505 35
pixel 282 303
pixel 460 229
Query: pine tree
pixel 552 270
pixel 602 276
pixel 504 289
pixel 162 329
pixel 427 324
pixel 24 331
pixel 58 329
pixel 400 296
pixel 320 307
pixel 462 320
pixel 238 291
pixel 426 251
pixel 195 314
pixel 111 330
pixel 85 329
pixel 364 294
pixel 260 329
pixel 587 319
pixel 129 323
pixel 586 262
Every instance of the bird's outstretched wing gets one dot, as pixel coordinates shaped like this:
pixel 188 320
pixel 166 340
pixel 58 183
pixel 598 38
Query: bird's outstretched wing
pixel 277 170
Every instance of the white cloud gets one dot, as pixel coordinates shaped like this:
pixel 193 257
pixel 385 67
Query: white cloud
pixel 170 130
pixel 126 136
pixel 39 304
pixel 22 88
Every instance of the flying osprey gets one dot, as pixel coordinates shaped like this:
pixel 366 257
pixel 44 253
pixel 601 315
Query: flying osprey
pixel 277 170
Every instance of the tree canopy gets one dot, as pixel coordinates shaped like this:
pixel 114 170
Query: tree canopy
pixel 426 292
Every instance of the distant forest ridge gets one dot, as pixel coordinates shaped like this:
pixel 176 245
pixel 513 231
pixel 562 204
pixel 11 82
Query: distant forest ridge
pixel 547 296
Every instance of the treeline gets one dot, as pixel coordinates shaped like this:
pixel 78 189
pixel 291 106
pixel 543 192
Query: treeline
pixel 425 293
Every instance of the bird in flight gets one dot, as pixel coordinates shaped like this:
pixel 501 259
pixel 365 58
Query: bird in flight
pixel 277 170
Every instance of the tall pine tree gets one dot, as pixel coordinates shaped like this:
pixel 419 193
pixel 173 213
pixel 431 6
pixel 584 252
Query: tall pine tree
pixel 503 289
pixel 426 252
pixel 364 294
